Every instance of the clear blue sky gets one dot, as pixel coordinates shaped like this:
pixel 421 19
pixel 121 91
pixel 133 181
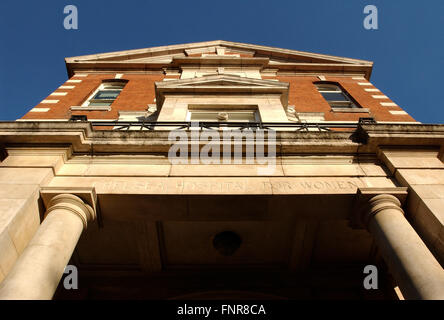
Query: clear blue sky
pixel 407 48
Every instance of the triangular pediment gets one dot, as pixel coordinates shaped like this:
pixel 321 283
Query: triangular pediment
pixel 218 48
pixel 217 52
pixel 221 84
pixel 221 81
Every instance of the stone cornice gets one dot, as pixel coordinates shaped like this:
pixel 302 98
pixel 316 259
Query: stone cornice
pixel 158 67
pixel 84 139
pixel 374 135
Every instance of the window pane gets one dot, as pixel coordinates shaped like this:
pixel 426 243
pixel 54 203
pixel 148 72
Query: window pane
pixel 334 96
pixel 107 94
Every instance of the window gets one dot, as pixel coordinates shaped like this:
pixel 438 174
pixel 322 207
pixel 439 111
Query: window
pixel 223 115
pixel 106 93
pixel 335 95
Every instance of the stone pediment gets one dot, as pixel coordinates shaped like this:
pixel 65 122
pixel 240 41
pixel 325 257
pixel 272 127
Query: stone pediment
pixel 217 52
pixel 221 81
pixel 222 84
pixel 218 48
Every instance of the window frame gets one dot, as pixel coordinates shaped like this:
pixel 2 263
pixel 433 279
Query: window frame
pixel 104 87
pixel 350 103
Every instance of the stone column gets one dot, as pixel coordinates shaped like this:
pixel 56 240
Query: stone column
pixel 417 272
pixel 37 272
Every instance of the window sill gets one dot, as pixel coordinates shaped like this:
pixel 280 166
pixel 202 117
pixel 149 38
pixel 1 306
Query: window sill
pixel 351 110
pixel 90 108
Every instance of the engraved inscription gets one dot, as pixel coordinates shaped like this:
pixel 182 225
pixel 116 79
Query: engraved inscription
pixel 316 185
pixel 137 187
pixel 230 186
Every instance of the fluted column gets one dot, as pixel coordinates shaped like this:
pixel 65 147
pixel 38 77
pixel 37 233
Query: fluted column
pixel 417 272
pixel 37 272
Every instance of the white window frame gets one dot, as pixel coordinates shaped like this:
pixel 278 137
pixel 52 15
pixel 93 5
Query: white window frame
pixel 333 88
pixel 105 86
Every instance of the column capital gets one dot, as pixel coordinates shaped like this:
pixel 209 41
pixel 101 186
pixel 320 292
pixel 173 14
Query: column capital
pixel 379 203
pixel 370 201
pixel 72 204
pixel 79 201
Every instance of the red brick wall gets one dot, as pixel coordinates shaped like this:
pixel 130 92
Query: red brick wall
pixel 306 98
pixel 139 92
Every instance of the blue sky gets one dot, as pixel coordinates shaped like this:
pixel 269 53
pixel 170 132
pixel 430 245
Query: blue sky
pixel 407 48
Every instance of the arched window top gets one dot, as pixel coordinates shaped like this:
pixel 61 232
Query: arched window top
pixel 335 95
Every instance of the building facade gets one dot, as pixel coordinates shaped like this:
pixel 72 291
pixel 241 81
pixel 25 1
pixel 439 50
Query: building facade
pixel 220 170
